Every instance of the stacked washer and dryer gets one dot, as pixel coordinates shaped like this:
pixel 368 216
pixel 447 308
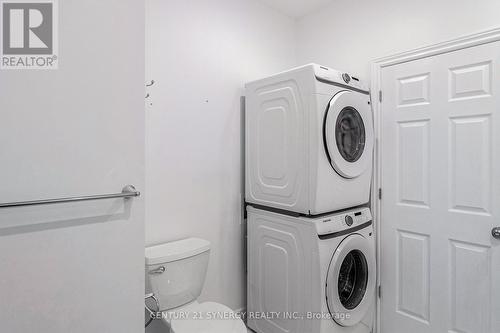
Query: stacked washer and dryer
pixel 311 248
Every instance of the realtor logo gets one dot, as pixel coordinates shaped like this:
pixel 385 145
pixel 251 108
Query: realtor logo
pixel 29 34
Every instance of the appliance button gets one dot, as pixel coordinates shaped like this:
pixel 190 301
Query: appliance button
pixel 348 220
pixel 346 78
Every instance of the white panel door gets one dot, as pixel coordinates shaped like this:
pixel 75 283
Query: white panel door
pixel 440 146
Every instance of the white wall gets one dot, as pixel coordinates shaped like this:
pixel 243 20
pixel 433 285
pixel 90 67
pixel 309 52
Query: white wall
pixel 349 34
pixel 76 130
pixel 200 53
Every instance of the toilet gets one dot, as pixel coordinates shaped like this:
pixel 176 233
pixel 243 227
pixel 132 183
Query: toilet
pixel 175 274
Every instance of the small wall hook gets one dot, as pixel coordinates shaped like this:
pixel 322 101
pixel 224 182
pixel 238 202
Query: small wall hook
pixel 147 95
pixel 150 83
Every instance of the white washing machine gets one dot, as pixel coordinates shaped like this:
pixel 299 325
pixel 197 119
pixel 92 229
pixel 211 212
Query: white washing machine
pixel 309 141
pixel 314 275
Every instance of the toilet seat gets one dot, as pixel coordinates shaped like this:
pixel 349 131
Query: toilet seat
pixel 208 317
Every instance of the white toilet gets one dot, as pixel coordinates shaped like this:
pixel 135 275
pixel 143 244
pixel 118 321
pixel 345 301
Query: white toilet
pixel 175 273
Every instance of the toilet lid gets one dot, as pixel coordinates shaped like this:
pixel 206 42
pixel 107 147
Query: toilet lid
pixel 208 317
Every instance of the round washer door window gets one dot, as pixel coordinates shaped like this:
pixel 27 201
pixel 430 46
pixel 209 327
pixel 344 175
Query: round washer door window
pixel 348 133
pixel 353 279
pixel 350 281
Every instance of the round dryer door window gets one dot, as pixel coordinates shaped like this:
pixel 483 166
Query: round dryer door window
pixel 348 133
pixel 350 283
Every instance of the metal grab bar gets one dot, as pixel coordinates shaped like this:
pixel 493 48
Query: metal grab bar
pixel 128 191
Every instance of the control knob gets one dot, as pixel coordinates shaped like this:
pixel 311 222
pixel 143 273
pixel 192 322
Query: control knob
pixel 348 220
pixel 346 78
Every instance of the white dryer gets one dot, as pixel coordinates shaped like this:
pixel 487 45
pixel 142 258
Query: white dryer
pixel 314 275
pixel 309 141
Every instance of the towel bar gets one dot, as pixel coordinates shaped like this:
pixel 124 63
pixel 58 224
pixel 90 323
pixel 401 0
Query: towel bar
pixel 128 191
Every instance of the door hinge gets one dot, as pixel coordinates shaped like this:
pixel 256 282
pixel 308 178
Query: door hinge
pixel 380 194
pixel 379 291
pixel 380 96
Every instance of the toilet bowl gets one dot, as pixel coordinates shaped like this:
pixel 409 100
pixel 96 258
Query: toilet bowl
pixel 175 274
pixel 207 317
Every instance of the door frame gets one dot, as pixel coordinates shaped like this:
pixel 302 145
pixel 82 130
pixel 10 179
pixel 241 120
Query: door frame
pixel 485 37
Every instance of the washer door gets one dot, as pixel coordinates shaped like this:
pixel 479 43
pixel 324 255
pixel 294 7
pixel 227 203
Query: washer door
pixel 348 133
pixel 350 283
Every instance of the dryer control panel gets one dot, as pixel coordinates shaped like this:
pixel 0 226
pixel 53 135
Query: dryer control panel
pixel 335 76
pixel 340 222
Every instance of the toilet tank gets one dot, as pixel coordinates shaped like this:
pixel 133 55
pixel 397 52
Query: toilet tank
pixel 175 271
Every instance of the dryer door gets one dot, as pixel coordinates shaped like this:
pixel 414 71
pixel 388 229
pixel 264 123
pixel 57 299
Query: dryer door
pixel 348 133
pixel 350 283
